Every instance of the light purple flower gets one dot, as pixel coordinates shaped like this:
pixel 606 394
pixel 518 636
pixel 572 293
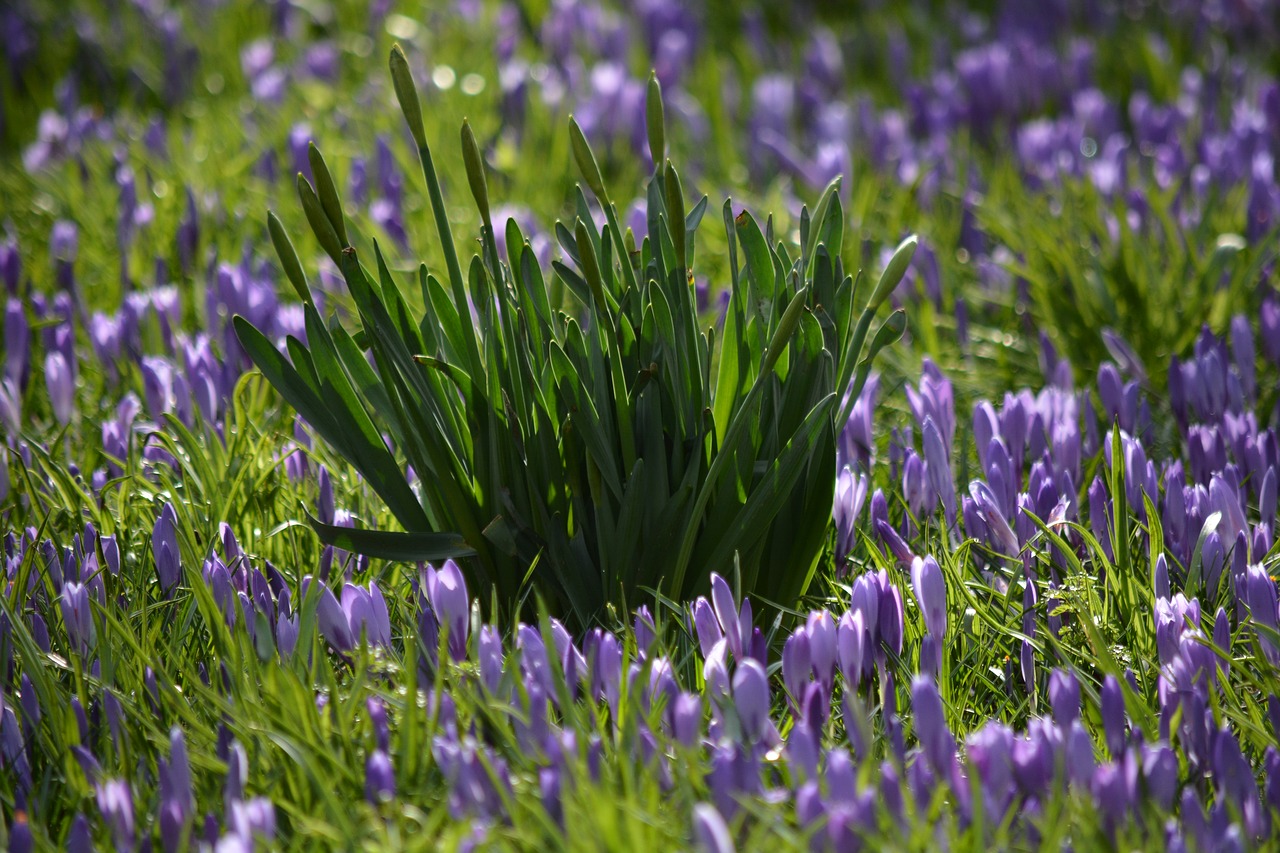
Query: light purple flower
pixel 710 829
pixel 931 594
pixel 77 617
pixel 379 778
pixel 61 383
pixel 447 593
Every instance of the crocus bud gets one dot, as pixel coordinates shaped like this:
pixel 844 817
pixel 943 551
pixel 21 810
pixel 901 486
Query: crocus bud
pixel 751 697
pixel 1260 592
pixel 324 502
pixel 644 630
pixel 686 719
pixel 1113 715
pixel 1162 577
pixel 866 601
pixel 17 346
pixel 931 594
pixel 1111 793
pixel 931 724
pixel 447 592
pixel 890 619
pixel 164 547
pixel 821 630
pixel 111 554
pixel 77 617
pixel 1222 640
pixel 851 647
pixel 379 778
pixel 1080 762
pixel 286 634
pixel 490 649
pixel 913 484
pixel 796 665
pixel 1244 354
pixel 1271 763
pixel 60 380
pixel 1269 327
pixel 1160 772
pixel 1064 697
pixel 937 455
pixel 706 626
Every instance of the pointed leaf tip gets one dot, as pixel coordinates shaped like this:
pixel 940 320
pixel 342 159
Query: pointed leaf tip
pixel 407 94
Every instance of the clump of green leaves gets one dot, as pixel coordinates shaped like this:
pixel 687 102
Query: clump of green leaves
pixel 593 455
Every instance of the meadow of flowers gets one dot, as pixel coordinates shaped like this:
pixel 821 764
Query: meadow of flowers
pixel 854 429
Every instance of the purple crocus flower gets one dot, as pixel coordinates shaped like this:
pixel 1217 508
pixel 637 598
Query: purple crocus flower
pixel 751 698
pixel 889 620
pixel 852 640
pixel 931 725
pixel 366 613
pixel 17 346
pixel 857 441
pixel 20 837
pixel 77 617
pixel 115 803
pixel 61 382
pixel 988 508
pixel 489 648
pixel 177 798
pixel 1078 751
pixel 645 632
pixel 1113 715
pixel 164 547
pixel 1269 328
pixel 796 666
pixel 379 778
pixel 735 622
pixel 286 634
pixel 447 593
pixel 938 459
pixel 820 628
pixel 1064 697
pixel 934 400
pixel 1112 793
pixel 1260 592
pixel 1236 783
pixel 851 494
pixel 1161 573
pixel 706 626
pixel 685 715
pixel 331 619
pixel 606 669
pixel 931 594
pixel 710 830
pixel 251 820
